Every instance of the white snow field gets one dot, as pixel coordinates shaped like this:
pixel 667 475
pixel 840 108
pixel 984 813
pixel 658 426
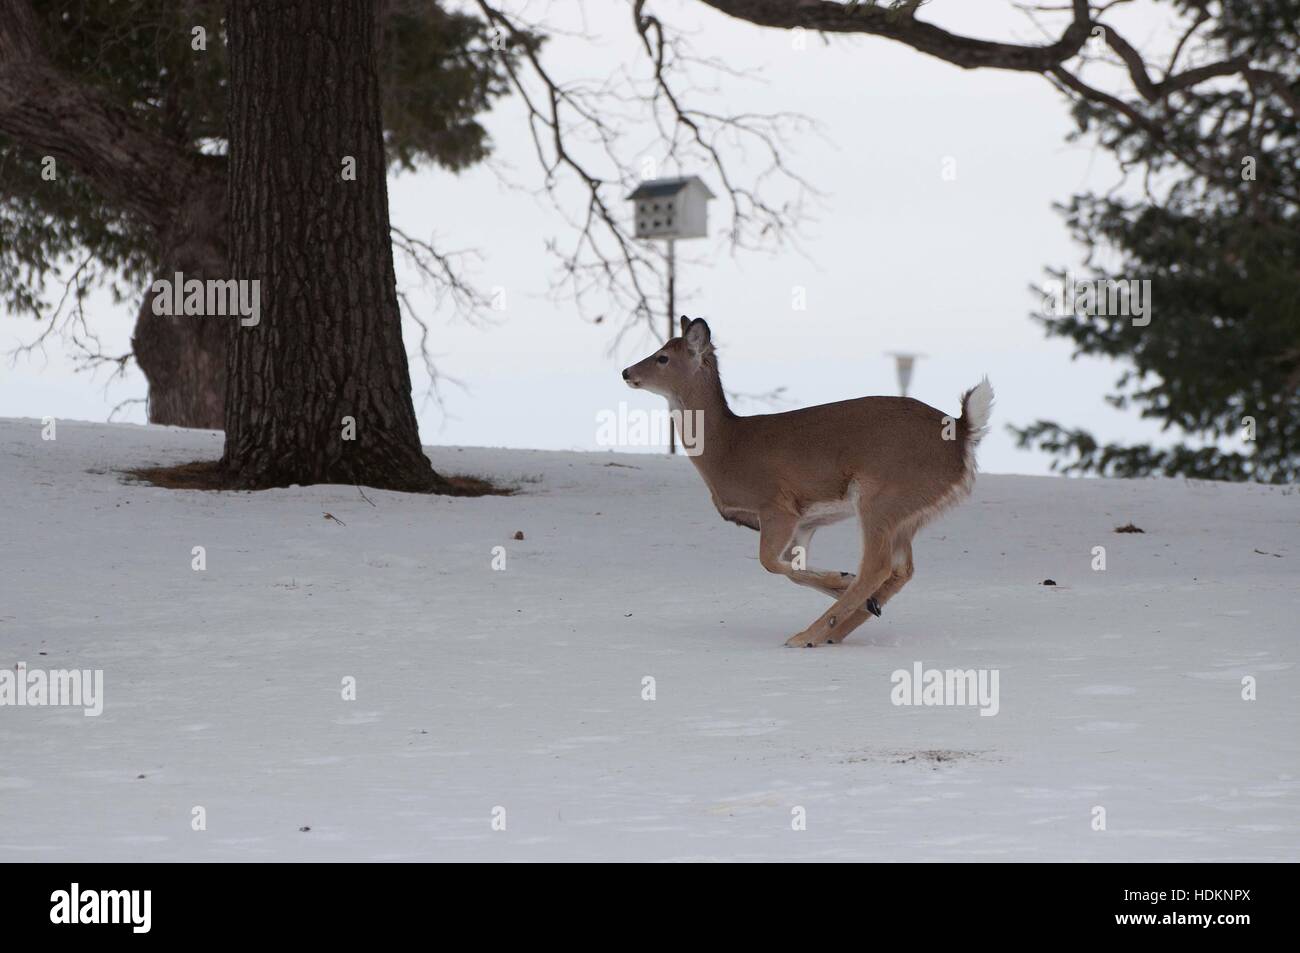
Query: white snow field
pixel 479 690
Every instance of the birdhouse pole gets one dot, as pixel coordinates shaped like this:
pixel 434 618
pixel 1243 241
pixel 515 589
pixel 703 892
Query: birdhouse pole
pixel 672 309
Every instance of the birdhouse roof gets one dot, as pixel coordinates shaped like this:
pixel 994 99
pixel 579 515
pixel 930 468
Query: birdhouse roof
pixel 659 188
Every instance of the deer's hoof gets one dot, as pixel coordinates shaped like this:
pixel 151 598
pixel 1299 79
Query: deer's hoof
pixel 873 607
pixel 806 640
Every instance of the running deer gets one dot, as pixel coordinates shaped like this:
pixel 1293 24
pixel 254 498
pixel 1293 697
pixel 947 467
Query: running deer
pixel 894 462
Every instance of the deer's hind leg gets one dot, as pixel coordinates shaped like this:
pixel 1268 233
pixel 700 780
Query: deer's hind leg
pixel 879 521
pixel 900 574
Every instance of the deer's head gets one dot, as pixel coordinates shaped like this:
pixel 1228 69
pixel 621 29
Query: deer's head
pixel 676 367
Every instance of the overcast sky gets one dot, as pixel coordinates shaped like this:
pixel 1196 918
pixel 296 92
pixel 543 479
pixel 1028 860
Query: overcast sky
pixel 897 259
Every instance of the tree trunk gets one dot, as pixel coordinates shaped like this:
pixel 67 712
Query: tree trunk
pixel 305 95
pixel 184 357
pixel 184 362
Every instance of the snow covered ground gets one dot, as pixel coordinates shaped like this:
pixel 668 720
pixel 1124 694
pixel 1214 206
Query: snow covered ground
pixel 479 689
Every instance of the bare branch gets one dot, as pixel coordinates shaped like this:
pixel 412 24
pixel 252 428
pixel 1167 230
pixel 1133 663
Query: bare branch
pixel 871 19
pixel 133 167
pixel 579 132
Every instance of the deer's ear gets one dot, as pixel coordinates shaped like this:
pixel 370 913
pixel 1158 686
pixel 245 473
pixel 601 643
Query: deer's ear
pixel 686 323
pixel 698 337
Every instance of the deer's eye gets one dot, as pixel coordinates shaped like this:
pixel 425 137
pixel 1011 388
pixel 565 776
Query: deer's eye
pixel 663 359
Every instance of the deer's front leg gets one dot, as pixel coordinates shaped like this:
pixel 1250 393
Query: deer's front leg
pixel 776 530
pixel 797 554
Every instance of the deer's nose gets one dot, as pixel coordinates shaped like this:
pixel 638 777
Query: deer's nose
pixel 625 373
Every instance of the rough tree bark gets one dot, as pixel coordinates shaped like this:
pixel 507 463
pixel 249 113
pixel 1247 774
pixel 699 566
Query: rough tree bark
pixel 304 95
pixel 184 362
pixel 184 357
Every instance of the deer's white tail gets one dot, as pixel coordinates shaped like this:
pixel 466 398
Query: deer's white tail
pixel 976 407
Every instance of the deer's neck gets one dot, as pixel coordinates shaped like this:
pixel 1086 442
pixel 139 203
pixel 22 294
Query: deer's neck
pixel 705 394
pixel 703 417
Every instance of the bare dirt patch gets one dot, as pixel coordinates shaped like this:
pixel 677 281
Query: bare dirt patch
pixel 209 475
pixel 935 758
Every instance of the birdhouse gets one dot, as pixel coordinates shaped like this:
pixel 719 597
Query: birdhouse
pixel 671 208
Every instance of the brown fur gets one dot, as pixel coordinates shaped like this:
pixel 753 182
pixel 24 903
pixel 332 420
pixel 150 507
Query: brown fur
pixel 788 474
